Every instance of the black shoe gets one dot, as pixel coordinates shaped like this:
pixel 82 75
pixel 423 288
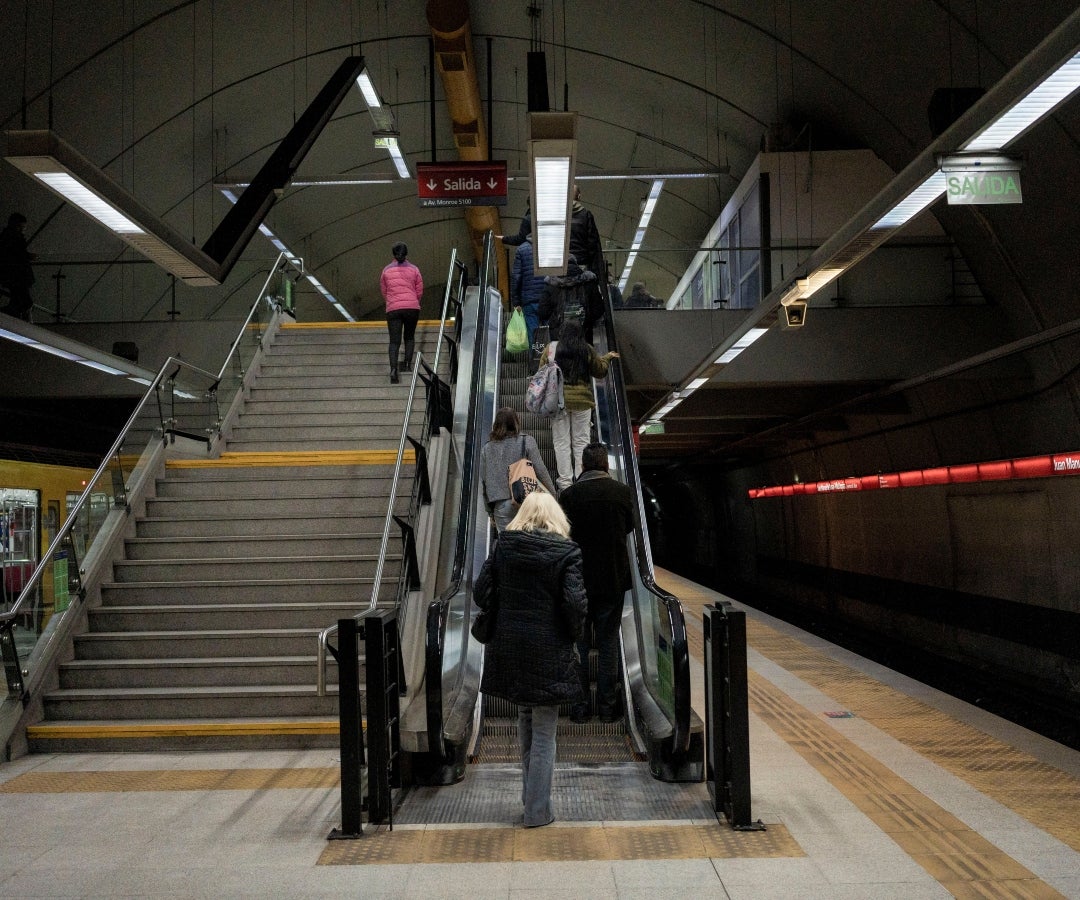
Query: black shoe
pixel 406 366
pixel 609 717
pixel 579 716
pixel 393 376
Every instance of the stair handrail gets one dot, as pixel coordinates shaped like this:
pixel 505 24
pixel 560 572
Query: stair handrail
pixel 174 365
pixel 376 583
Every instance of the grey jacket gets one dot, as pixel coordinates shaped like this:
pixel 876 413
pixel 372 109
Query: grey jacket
pixel 496 457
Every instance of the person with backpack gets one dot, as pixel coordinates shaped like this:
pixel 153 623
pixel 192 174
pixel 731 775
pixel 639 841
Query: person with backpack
pixel 568 297
pixel 505 446
pixel 571 426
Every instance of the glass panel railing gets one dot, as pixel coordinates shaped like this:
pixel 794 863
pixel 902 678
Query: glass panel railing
pixel 182 402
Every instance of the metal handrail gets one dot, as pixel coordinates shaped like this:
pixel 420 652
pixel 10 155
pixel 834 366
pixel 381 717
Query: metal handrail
pixel 325 634
pixel 118 443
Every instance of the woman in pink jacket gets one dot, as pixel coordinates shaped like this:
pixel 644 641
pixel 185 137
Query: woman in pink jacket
pixel 402 287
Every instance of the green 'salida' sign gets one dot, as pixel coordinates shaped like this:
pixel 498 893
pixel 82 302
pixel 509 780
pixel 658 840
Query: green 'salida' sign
pixel 971 180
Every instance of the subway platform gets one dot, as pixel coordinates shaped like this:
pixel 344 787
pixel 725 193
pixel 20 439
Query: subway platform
pixel 870 785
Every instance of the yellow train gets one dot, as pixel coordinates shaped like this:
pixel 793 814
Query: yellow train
pixel 34 502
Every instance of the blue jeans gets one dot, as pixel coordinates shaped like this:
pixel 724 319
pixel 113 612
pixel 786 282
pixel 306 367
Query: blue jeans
pixel 532 319
pixel 536 735
pixel 503 512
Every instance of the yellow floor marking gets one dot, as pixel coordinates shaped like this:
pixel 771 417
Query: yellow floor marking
pixel 558 844
pixel 171 729
pixel 39 782
pixel 960 859
pixel 367 323
pixel 295 458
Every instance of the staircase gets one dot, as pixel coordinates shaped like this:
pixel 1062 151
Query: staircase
pixel 206 635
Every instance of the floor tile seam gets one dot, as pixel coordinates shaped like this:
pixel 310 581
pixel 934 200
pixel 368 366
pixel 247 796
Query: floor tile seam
pixel 935 838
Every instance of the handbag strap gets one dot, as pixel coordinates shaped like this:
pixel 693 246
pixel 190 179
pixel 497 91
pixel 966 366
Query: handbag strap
pixel 523 447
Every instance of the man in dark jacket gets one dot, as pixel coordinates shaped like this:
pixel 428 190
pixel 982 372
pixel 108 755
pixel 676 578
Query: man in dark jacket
pixel 16 274
pixel 569 296
pixel 526 287
pixel 601 513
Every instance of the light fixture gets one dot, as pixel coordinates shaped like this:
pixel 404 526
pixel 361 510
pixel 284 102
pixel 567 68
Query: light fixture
pixel 63 170
pixel 386 134
pixel 552 158
pixel 639 235
pixel 296 261
pixel 741 344
pixel 1039 101
pixel 37 338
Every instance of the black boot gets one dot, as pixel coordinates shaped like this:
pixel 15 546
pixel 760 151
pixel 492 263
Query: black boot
pixel 410 348
pixel 393 376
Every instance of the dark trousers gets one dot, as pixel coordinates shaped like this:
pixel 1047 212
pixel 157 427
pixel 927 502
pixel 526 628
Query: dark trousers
pixel 604 620
pixel 397 321
pixel 20 303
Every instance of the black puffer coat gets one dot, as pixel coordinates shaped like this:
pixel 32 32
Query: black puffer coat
pixel 534 578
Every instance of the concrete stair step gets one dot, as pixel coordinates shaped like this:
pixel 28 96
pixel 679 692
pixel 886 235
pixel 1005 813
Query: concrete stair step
pixel 371 436
pixel 277 473
pixel 394 405
pixel 158 702
pixel 196 489
pixel 384 391
pixel 240 526
pixel 225 643
pixel 288 544
pixel 217 617
pixel 368 377
pixel 243 569
pixel 308 442
pixel 241 670
pixel 317 419
pixel 281 590
pixel 299 507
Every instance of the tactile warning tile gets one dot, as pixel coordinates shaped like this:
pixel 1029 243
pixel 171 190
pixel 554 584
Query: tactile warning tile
pixel 1041 793
pixel 38 782
pixel 559 844
pixel 934 838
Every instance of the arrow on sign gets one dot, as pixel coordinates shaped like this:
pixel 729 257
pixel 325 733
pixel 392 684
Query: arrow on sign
pixel 432 185
pixel 492 183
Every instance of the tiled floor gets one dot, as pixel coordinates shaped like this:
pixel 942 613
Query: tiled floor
pixel 914 794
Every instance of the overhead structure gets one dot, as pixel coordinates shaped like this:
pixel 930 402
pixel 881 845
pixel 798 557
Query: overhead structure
pixel 62 169
pixel 552 160
pixel 451 33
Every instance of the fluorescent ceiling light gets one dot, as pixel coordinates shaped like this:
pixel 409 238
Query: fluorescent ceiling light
pixel 101 367
pixel 1037 103
pixel 696 383
pixel 639 234
pixel 55 351
pixel 552 156
pixel 394 149
pixel 295 260
pixel 137 380
pixel 913 204
pixel 367 88
pixel 74 192
pixel 741 344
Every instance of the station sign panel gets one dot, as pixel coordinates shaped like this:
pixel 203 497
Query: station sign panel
pixel 461 183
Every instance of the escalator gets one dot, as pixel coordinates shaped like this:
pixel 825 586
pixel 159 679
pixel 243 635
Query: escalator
pixel 660 726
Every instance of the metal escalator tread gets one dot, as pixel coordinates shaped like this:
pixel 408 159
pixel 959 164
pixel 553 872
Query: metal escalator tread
pixel 592 742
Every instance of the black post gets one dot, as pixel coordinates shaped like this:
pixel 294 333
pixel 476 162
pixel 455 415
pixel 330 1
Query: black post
pixel 351 732
pixel 384 736
pixel 727 715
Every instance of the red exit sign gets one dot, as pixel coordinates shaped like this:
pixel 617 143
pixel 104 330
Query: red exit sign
pixel 462 183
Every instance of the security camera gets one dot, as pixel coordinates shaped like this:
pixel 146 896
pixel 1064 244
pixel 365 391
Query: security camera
pixel 795 314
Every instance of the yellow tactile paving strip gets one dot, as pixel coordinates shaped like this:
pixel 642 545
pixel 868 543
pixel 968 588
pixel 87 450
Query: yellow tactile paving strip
pixel 368 323
pixel 193 729
pixel 559 844
pixel 297 458
pixel 960 859
pixel 39 782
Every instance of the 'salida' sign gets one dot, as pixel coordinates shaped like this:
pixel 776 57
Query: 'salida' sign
pixel 974 183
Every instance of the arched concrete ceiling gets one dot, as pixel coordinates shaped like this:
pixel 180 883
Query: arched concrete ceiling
pixel 171 96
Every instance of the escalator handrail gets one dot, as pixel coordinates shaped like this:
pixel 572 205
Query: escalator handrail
pixel 438 609
pixel 616 389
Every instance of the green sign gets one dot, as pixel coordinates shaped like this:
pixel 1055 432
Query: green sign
pixel 972 187
pixel 654 428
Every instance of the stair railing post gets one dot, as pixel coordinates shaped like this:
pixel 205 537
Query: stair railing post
pixel 384 738
pixel 351 731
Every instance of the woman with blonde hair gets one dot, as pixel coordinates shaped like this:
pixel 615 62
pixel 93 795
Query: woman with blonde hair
pixel 532 583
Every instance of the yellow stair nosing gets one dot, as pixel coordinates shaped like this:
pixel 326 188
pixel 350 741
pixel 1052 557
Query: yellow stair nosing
pixel 176 729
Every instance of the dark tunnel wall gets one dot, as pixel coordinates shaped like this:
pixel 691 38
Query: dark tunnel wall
pixel 974 587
